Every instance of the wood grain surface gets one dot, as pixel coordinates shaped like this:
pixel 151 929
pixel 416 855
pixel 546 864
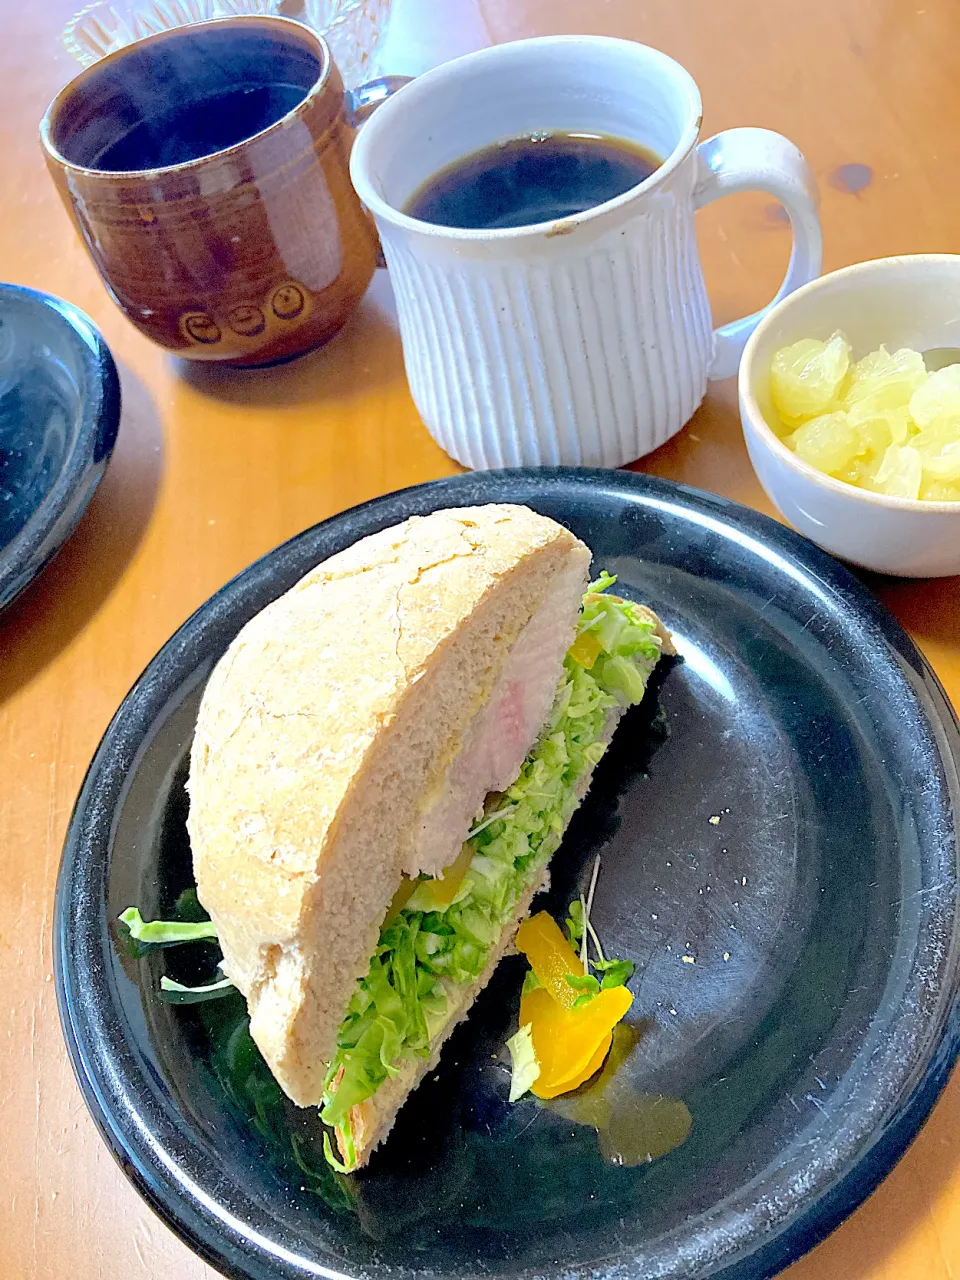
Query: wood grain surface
pixel 214 468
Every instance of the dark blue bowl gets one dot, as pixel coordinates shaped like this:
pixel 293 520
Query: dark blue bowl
pixel 59 414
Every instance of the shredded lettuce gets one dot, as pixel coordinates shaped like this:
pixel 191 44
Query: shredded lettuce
pixel 423 955
pixel 160 932
pixel 179 994
pixel 165 933
pixel 526 1068
pixel 530 982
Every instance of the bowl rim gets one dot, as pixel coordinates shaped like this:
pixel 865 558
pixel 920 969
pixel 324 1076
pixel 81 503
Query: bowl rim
pixel 56 516
pixel 750 409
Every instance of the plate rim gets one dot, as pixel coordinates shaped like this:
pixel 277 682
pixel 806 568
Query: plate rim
pixel 56 516
pixel 205 1231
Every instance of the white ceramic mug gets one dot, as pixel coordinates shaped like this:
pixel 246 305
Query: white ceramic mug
pixel 586 341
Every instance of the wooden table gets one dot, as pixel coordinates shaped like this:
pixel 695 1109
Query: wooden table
pixel 213 469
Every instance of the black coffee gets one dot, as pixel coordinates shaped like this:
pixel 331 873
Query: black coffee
pixel 195 129
pixel 198 90
pixel 536 178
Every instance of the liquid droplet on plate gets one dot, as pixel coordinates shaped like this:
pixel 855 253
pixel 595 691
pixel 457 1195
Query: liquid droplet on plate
pixel 632 1128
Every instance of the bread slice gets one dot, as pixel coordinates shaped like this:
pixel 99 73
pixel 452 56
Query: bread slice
pixel 328 731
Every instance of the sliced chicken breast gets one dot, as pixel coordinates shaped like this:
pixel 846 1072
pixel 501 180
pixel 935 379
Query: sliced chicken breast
pixel 501 734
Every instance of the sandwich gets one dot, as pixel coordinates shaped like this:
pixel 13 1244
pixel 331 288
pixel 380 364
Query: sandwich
pixel 385 760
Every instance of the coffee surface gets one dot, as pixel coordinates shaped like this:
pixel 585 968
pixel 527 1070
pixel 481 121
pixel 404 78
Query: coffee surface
pixel 190 130
pixel 531 179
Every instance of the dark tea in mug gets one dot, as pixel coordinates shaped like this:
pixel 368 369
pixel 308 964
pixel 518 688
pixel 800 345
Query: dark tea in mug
pixel 535 178
pixel 175 101
pixel 190 130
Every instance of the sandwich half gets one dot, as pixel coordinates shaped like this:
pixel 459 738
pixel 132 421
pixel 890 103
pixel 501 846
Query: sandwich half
pixel 385 759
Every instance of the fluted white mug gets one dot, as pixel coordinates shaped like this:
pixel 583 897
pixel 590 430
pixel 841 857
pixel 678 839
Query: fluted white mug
pixel 588 340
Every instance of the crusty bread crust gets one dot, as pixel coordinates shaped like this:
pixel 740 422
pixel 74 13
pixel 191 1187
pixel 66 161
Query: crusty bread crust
pixel 327 721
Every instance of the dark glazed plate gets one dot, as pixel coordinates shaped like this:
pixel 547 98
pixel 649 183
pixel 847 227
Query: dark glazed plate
pixel 59 414
pixel 779 856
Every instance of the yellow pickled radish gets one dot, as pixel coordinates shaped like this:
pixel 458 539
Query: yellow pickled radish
pixel 595 1063
pixel 586 649
pixel 406 891
pixel 828 443
pixel 885 380
pixel 553 1088
pixel 938 399
pixel 900 472
pixel 806 377
pixel 551 957
pixel 568 1042
pixel 445 886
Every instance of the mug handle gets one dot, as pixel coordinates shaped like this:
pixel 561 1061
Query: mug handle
pixel 761 160
pixel 361 102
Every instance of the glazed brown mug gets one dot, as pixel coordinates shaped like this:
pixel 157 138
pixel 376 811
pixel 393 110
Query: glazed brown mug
pixel 206 169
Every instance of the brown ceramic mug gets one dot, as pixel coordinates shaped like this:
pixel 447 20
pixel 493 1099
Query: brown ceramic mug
pixel 206 169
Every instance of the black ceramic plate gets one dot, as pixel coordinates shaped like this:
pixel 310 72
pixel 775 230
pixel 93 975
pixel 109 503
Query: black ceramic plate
pixel 59 414
pixel 779 856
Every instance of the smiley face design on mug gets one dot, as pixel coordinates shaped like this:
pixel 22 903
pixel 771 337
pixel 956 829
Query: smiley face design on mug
pixel 200 327
pixel 247 320
pixel 289 301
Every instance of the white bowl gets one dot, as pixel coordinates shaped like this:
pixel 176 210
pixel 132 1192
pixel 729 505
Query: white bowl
pixel 912 301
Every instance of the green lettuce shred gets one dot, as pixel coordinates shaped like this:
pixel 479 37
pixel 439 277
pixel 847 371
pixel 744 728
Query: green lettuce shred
pixel 424 954
pixel 525 1069
pixel 164 932
pixel 177 993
